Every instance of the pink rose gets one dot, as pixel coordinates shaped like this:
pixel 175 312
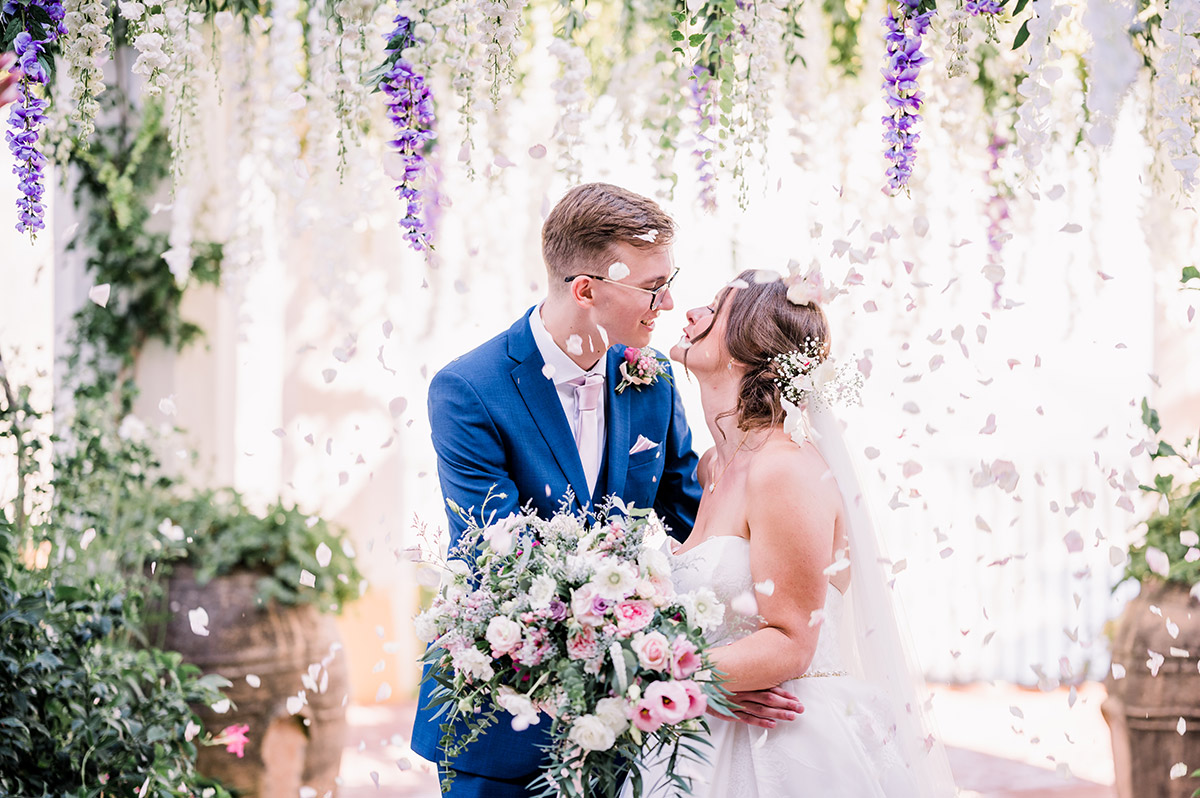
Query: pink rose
pixel 632 353
pixel 633 616
pixel 697 701
pixel 685 659
pixel 585 608
pixel 582 644
pixel 645 716
pixel 668 701
pixel 653 651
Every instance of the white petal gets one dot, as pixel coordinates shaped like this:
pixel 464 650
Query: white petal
pixel 100 293
pixel 1158 562
pixel 198 618
pixel 324 555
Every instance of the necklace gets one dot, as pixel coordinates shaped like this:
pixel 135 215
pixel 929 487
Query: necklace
pixel 713 485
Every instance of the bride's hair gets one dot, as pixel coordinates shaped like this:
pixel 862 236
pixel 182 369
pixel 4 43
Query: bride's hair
pixel 763 323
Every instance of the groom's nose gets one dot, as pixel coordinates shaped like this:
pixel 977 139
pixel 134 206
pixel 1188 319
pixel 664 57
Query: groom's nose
pixel 668 301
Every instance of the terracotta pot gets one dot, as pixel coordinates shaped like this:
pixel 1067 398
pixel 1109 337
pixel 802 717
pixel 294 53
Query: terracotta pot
pixel 291 650
pixel 1143 710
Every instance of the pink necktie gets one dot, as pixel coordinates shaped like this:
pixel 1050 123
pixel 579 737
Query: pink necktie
pixel 587 433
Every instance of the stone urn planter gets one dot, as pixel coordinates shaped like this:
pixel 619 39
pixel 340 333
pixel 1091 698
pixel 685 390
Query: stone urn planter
pixel 273 655
pixel 1143 710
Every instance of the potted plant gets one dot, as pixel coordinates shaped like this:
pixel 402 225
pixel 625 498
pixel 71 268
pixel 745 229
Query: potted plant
pixel 1153 704
pixel 249 597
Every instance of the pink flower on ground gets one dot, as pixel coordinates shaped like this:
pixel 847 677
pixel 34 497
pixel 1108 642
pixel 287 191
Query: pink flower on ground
pixel 633 616
pixel 697 701
pixel 685 659
pixel 668 701
pixel 234 739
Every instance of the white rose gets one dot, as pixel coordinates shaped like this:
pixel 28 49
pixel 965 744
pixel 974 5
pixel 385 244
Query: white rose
pixel 592 734
pixel 542 591
pixel 614 713
pixel 654 563
pixel 504 634
pixel 500 537
pixel 426 626
pixel 474 663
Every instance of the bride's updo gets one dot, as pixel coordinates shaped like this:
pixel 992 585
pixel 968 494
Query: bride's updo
pixel 763 323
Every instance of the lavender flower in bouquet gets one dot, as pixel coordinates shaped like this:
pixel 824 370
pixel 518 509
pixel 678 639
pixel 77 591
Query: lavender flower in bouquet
pixel 410 110
pixel 905 27
pixel 579 622
pixel 41 23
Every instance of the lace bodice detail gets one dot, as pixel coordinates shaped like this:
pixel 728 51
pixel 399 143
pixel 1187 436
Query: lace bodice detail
pixel 722 564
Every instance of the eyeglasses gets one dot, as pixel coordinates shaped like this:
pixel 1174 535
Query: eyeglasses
pixel 656 294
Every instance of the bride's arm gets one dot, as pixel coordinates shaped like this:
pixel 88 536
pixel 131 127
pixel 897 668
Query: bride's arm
pixel 791 515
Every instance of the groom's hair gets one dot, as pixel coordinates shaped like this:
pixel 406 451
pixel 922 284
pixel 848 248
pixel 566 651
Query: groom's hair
pixel 580 231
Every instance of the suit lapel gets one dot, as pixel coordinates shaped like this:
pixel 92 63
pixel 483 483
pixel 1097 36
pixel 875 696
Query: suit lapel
pixel 618 411
pixel 541 399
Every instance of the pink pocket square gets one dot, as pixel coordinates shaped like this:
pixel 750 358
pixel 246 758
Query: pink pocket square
pixel 643 444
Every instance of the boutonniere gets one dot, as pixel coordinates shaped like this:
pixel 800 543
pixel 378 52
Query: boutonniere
pixel 641 368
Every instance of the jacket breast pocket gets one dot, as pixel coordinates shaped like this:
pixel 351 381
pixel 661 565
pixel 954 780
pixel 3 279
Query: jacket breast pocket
pixel 643 459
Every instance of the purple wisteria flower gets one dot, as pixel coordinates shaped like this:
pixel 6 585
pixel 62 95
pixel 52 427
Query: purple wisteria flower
pixel 905 27
pixel 28 112
pixel 410 110
pixel 703 105
pixel 977 7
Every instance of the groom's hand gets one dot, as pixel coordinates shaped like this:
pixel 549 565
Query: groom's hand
pixel 764 707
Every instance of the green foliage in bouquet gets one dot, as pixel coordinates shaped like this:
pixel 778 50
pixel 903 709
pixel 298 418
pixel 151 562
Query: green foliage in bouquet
pixel 573 620
pixel 83 714
pixel 1170 549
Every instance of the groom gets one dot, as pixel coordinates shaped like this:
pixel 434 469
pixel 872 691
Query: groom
pixel 533 416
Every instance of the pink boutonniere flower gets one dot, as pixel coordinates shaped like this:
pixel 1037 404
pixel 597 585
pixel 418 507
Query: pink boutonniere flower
pixel 640 368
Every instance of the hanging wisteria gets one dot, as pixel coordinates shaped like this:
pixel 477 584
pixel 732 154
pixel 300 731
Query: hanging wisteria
pixel 700 79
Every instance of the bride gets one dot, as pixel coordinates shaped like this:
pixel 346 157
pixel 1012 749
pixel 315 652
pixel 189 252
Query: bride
pixel 782 520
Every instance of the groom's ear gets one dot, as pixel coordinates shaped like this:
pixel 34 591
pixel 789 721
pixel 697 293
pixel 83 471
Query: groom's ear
pixel 582 289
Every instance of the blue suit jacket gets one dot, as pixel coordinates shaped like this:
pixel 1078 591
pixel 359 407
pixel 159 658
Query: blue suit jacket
pixel 498 425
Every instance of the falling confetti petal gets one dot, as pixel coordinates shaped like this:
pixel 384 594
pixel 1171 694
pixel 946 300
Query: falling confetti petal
pixel 744 604
pixel 328 375
pixel 295 703
pixel 100 293
pixel 1179 769
pixel 1155 662
pixel 548 371
pixel 1158 562
pixel 871 452
pixel 1070 227
pixel 198 618
pixel 537 151
pixel 253 680
pixel 990 426
pixel 404 763
pixel 384 692
pixel 324 555
pixel 308 792
pixel 1074 542
pixel 1189 538
pixel 375 778
pixel 1118 671
pixel 981 524
pixel 1016 712
pixel 221 707
pixel 574 345
pixel 766 587
pixel 618 271
pixel 397 406
pixel 307 578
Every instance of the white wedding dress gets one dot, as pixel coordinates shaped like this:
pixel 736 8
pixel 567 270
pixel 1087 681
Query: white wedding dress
pixel 842 745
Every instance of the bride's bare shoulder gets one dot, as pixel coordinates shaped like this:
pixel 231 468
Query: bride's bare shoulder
pixel 800 471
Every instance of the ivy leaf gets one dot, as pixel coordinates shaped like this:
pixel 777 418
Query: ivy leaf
pixel 696 39
pixel 1189 273
pixel 677 36
pixel 1163 483
pixel 1022 35
pixel 1150 417
pixel 1164 450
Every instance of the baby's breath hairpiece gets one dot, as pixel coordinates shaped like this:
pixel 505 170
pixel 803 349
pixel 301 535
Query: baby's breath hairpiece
pixel 806 376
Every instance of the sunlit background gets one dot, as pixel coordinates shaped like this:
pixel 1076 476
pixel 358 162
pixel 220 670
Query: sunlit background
pixel 1000 425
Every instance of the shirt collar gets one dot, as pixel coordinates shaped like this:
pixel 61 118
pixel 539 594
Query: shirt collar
pixel 565 369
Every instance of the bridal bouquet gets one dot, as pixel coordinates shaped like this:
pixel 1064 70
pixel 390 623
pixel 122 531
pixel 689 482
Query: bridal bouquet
pixel 580 622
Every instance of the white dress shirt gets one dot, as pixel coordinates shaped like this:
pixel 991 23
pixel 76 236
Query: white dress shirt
pixel 565 370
